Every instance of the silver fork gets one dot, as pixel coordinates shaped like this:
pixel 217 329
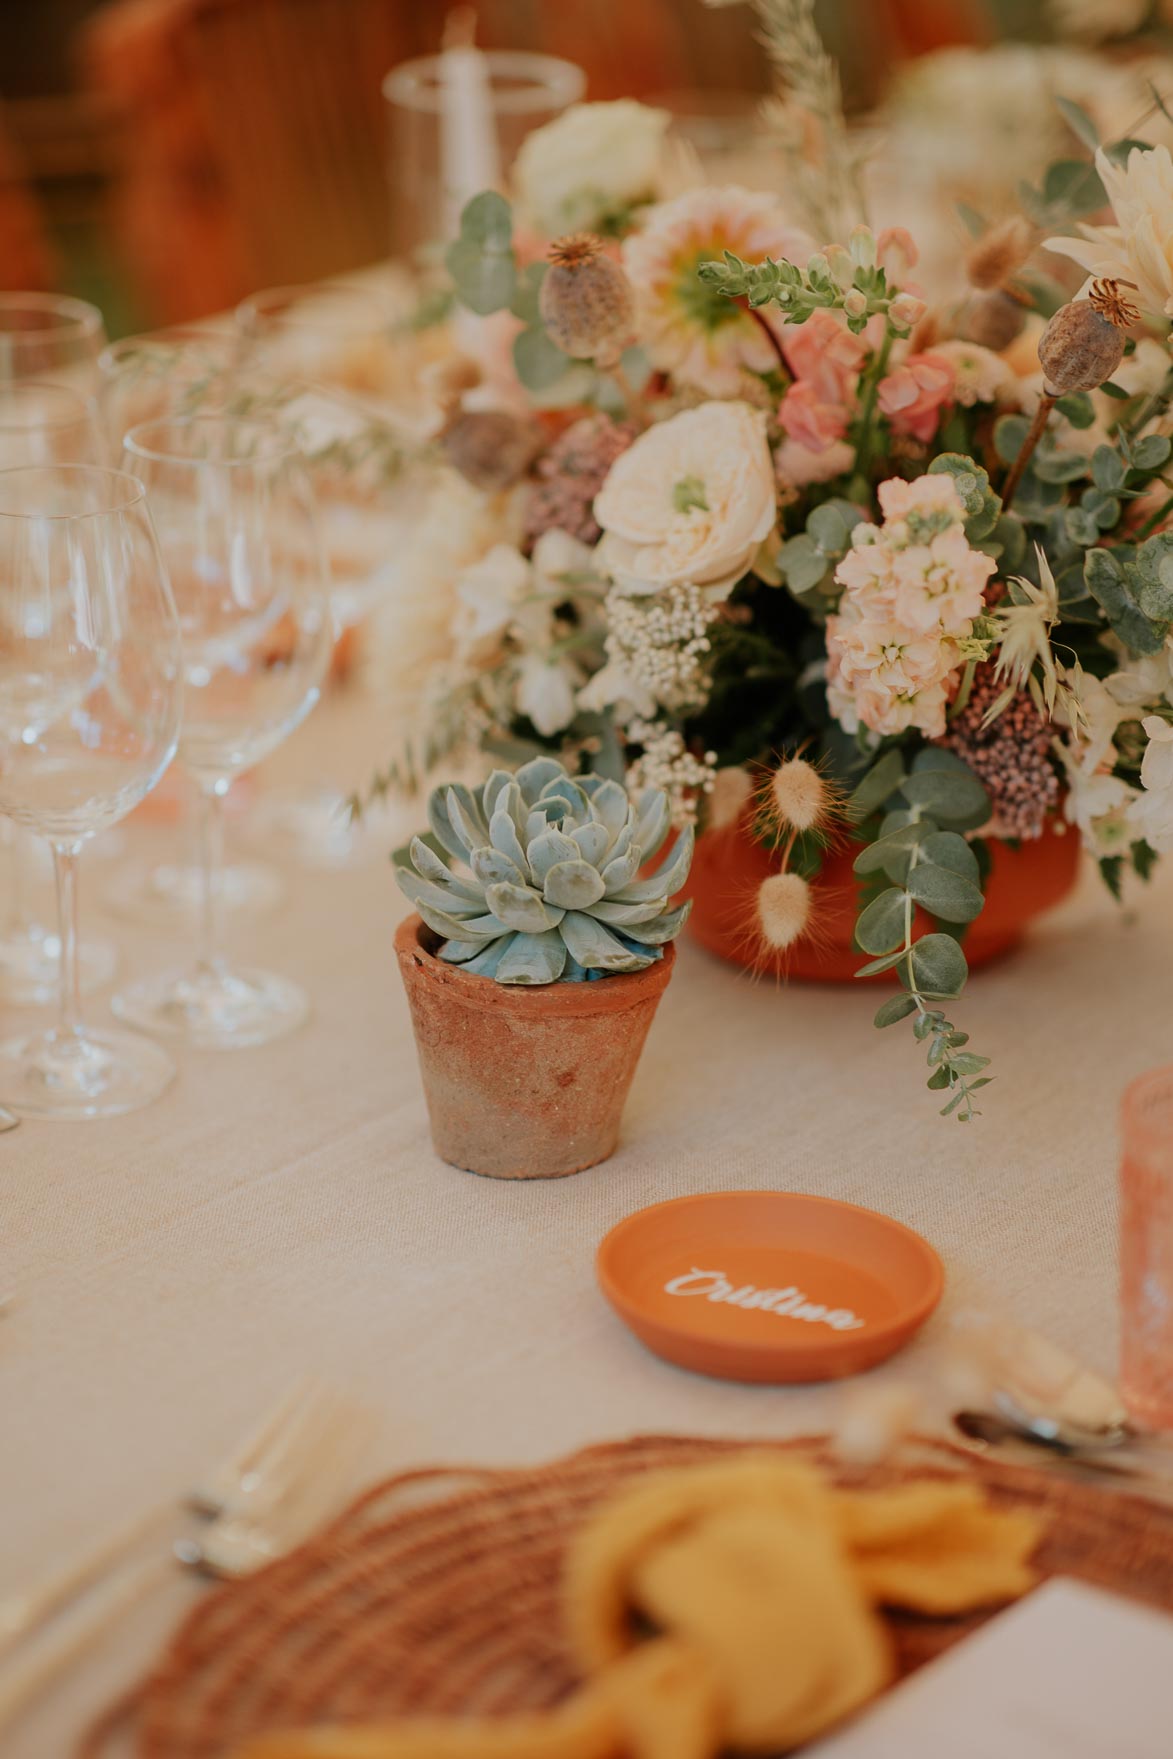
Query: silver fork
pixel 244 1474
pixel 312 1441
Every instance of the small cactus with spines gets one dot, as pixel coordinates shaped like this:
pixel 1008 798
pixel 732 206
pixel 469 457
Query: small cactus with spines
pixel 540 876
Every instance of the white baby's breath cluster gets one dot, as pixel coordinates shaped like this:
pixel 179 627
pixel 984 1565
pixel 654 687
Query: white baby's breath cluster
pixel 667 763
pixel 661 643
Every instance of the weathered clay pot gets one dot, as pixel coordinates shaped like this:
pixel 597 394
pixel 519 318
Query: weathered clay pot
pixel 730 865
pixel 524 1083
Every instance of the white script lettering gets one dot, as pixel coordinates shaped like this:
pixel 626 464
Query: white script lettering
pixel 790 1303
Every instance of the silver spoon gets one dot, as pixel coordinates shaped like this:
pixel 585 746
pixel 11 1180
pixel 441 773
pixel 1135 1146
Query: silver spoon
pixel 990 1430
pixel 8 1120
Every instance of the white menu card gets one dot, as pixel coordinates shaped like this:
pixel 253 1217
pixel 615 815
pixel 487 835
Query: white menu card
pixel 1070 1672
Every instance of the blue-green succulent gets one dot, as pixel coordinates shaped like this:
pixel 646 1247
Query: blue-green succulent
pixel 540 879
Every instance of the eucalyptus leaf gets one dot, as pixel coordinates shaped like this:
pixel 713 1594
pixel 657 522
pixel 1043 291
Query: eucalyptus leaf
pixel 946 849
pixel 875 966
pixel 881 927
pixel 894 1009
pixel 881 781
pixel 945 894
pixel 938 966
pixel 1151 452
pixel 874 856
pixel 949 795
pixel 537 359
pixel 485 279
pixel 1107 469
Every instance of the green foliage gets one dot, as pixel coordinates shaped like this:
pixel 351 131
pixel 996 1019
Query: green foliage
pixel 481 261
pixel 547 885
pixel 807 562
pixel 1129 586
pixel 801 292
pixel 919 849
pixel 982 505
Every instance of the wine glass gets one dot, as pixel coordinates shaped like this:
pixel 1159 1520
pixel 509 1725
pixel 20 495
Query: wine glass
pixel 47 336
pixel 43 423
pixel 237 523
pixel 330 347
pixel 90 687
pixel 180 371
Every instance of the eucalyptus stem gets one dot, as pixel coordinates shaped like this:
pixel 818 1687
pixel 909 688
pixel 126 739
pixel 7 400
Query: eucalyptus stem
pixel 1047 403
pixel 1155 519
pixel 867 415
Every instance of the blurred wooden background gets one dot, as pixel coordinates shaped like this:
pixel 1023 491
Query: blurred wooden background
pixel 168 156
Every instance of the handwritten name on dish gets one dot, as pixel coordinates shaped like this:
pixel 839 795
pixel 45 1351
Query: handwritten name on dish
pixel 791 1303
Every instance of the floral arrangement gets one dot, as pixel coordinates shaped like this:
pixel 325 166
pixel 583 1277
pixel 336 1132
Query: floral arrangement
pixel 733 508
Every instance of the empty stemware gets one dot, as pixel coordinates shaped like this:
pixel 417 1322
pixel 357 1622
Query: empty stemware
pixel 43 423
pixel 90 687
pixel 177 372
pixel 236 520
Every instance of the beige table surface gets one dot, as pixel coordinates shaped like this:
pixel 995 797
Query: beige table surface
pixel 279 1212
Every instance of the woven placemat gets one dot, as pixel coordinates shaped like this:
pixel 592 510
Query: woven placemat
pixel 438 1591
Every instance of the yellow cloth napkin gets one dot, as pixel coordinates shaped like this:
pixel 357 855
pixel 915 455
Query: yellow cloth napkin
pixel 732 1605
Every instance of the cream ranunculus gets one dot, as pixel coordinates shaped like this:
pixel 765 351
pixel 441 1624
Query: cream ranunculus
pixel 689 502
pixel 1139 247
pixel 589 164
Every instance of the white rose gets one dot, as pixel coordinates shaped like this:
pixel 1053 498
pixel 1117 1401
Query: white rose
pixel 689 502
pixel 588 163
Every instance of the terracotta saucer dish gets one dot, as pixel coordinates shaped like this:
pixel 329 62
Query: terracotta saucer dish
pixel 769 1285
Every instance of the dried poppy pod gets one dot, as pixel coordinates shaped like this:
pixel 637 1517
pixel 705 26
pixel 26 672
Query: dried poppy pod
pixel 993 319
pixel 490 448
pixel 1083 344
pixel 586 300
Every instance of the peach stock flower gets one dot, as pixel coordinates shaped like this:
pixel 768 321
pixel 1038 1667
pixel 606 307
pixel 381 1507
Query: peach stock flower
pixel 689 502
pixel 915 393
pixel 688 329
pixel 912 588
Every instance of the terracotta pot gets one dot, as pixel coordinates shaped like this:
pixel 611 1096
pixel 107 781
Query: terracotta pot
pixel 730 865
pixel 524 1083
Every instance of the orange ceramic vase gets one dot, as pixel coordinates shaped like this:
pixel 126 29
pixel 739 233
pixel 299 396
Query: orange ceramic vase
pixel 524 1083
pixel 730 865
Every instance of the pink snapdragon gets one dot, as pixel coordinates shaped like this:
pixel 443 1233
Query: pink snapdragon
pixel 912 589
pixel 814 423
pixel 824 354
pixel 915 393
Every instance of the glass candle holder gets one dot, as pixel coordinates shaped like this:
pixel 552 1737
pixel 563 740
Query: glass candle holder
pixel 1146 1249
pixel 434 149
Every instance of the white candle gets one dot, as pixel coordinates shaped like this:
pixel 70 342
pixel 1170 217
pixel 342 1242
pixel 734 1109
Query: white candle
pixel 469 159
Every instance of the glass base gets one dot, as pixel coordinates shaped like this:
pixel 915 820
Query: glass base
pixel 169 894
pixel 218 1009
pixel 312 827
pixel 82 1074
pixel 30 966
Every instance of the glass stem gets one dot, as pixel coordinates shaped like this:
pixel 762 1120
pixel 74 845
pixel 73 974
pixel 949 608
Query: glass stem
pixel 65 873
pixel 211 874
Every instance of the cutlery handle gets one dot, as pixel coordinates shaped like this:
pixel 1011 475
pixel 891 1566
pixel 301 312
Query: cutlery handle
pixel 25 1677
pixel 20 1613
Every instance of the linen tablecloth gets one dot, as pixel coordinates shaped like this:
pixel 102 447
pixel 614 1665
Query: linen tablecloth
pixel 279 1212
